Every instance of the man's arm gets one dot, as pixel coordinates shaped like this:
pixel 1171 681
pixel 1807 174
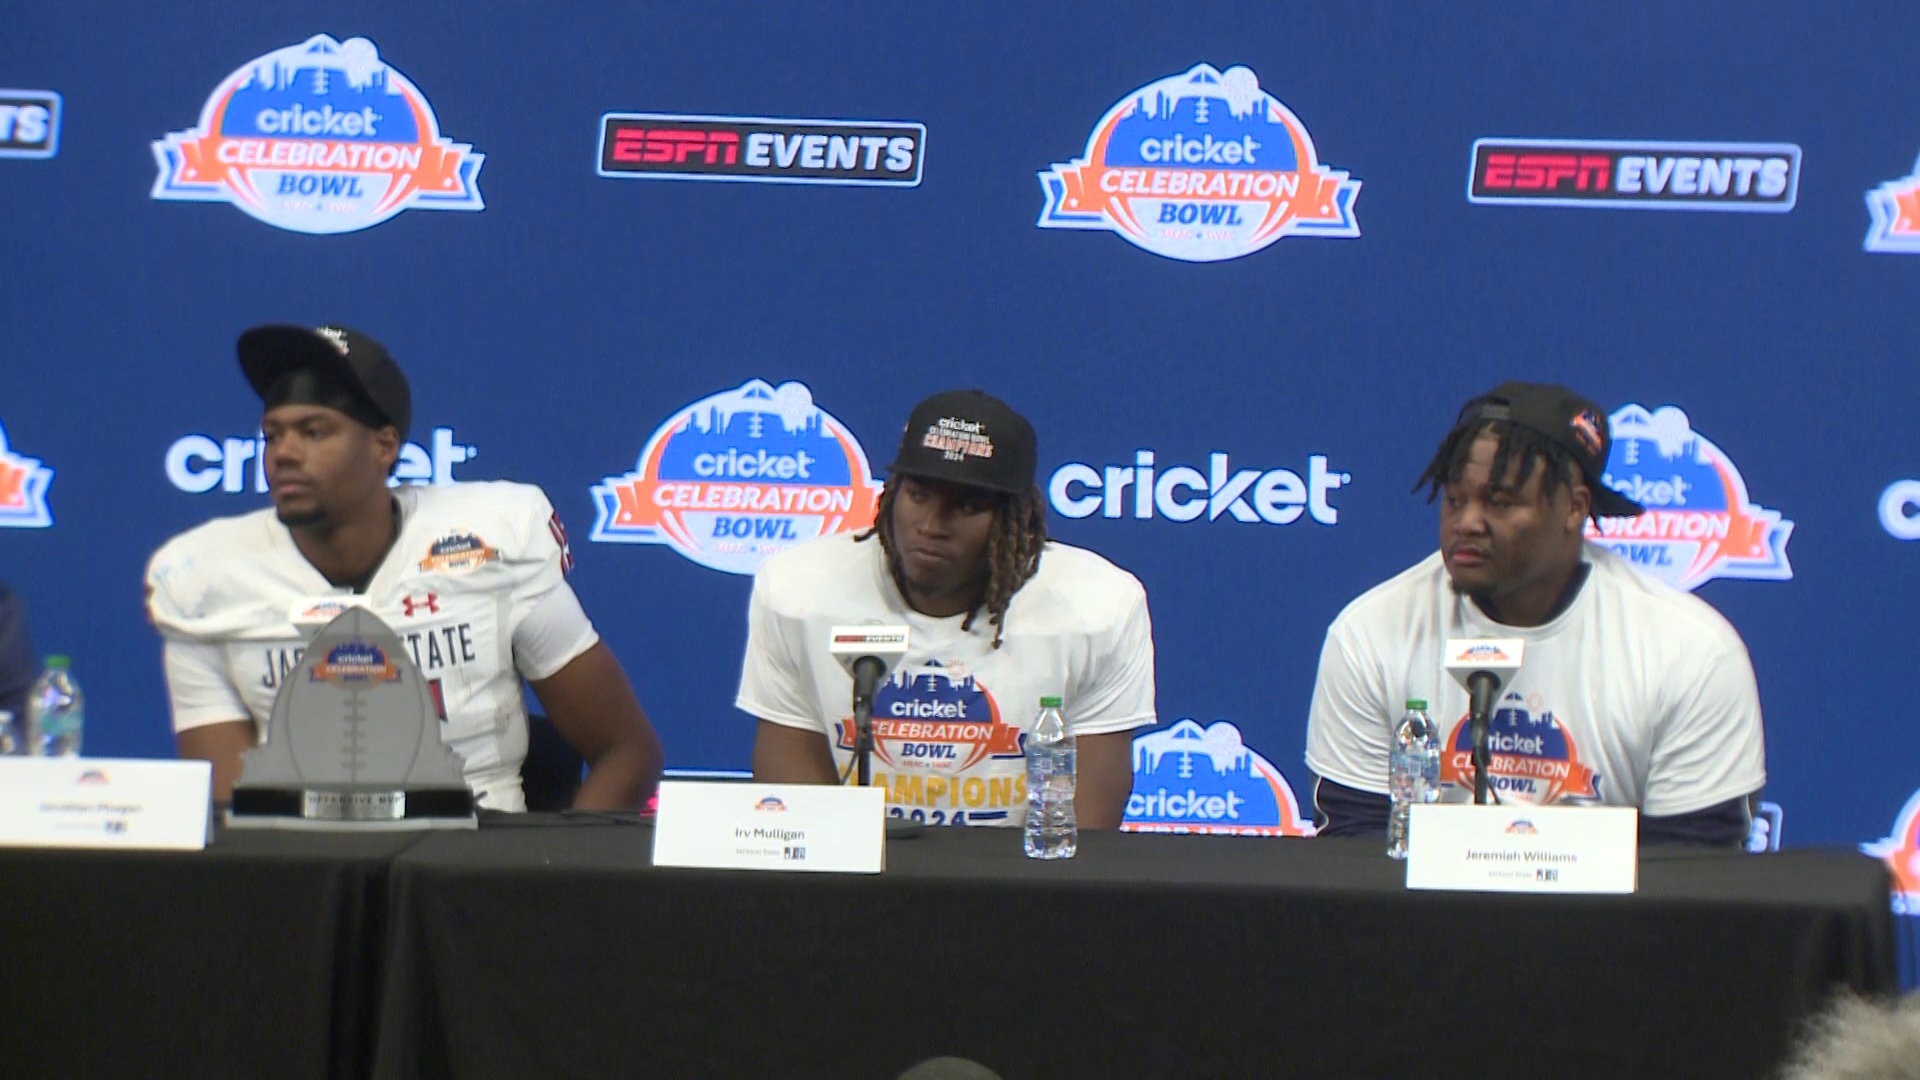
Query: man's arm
pixel 210 720
pixel 791 755
pixel 1349 734
pixel 1105 779
pixel 592 706
pixel 1726 824
pixel 1339 810
pixel 220 743
pixel 1709 753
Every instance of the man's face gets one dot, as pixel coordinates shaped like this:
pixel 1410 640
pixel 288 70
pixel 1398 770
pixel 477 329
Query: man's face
pixel 940 532
pixel 1499 538
pixel 321 462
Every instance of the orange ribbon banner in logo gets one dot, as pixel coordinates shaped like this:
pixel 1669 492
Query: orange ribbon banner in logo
pixel 13 486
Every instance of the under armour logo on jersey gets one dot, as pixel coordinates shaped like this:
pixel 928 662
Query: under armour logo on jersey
pixel 559 532
pixel 431 605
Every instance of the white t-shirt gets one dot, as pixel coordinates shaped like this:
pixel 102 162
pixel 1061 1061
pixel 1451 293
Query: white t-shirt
pixel 949 722
pixel 474 585
pixel 1636 695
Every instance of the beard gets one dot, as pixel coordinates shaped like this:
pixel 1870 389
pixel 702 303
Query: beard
pixel 300 519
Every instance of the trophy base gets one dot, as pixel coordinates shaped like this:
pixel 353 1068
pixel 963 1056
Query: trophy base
pixel 351 810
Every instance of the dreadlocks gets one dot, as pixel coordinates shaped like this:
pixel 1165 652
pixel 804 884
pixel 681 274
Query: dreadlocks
pixel 1516 441
pixel 1013 548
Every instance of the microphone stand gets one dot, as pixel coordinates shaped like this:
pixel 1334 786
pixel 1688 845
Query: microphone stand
pixel 866 673
pixel 1481 687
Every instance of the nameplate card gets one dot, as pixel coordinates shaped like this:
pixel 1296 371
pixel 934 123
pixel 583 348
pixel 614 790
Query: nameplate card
pixel 1535 849
pixel 105 803
pixel 733 826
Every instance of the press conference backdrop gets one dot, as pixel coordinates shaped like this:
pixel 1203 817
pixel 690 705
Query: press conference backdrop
pixel 688 266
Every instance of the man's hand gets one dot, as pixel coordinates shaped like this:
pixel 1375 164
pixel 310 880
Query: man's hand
pixel 220 743
pixel 592 706
pixel 1104 780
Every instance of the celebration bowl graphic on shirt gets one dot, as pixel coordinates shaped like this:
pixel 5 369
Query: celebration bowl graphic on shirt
pixel 1534 757
pixel 1189 779
pixel 1901 850
pixel 320 137
pixel 23 489
pixel 736 477
pixel 939 743
pixel 1200 167
pixel 1699 523
pixel 458 552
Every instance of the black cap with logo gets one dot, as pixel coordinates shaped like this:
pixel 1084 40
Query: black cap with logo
pixel 328 365
pixel 968 437
pixel 1565 418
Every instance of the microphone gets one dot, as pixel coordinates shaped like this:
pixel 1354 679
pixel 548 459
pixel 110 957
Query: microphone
pixel 1484 666
pixel 867 653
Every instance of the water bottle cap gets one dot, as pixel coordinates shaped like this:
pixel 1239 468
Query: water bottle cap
pixel 1416 704
pixel 1049 702
pixel 59 661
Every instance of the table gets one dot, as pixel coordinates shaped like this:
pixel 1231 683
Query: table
pixel 561 953
pixel 258 957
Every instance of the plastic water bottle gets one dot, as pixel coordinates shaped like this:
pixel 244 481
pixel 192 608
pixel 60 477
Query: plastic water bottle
pixel 1413 772
pixel 56 713
pixel 1052 832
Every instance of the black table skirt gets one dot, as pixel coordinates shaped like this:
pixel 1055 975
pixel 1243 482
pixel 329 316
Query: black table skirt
pixel 540 952
pixel 258 957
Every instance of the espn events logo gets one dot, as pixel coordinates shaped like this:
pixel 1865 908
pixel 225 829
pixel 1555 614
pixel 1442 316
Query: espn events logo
pixel 319 137
pixel 1762 177
pixel 760 149
pixel 23 489
pixel 1189 779
pixel 29 123
pixel 1183 493
pixel 198 464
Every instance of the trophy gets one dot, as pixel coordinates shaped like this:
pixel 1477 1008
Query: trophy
pixel 353 743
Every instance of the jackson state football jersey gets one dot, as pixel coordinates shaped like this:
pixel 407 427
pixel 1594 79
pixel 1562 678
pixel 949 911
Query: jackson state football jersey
pixel 471 562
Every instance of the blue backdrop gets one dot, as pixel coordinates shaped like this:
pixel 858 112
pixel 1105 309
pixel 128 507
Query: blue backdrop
pixel 556 330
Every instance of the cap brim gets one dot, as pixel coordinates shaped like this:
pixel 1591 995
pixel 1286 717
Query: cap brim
pixel 957 474
pixel 269 352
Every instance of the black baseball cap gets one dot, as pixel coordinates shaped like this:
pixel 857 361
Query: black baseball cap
pixel 341 359
pixel 968 437
pixel 1565 418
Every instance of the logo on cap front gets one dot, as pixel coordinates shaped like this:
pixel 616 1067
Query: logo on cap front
pixel 956 439
pixel 1699 523
pixel 735 477
pixel 335 336
pixel 1586 430
pixel 320 137
pixel 1200 167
